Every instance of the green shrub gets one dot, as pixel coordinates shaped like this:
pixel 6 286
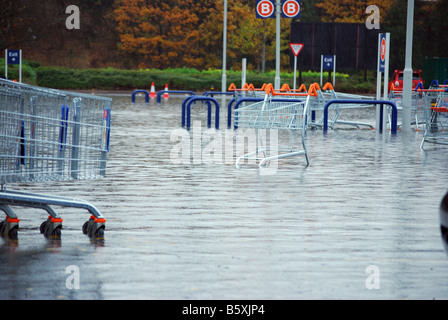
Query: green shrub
pixel 184 79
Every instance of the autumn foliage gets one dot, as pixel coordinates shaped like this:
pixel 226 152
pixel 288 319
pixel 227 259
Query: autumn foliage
pixel 159 34
pixel 172 33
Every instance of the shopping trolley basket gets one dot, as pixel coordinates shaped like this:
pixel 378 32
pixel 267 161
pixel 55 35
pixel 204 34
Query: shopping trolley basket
pixel 436 120
pixel 288 113
pixel 50 135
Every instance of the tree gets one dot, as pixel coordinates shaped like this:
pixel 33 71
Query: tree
pixel 352 11
pixel 188 33
pixel 157 33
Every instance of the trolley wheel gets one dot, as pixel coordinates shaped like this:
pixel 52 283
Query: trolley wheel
pixel 51 233
pixel 84 227
pixel 93 229
pixel 7 231
pixel 42 227
pixel 99 233
pixel 13 233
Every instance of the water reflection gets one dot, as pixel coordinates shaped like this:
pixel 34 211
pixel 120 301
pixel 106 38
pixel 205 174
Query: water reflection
pixel 210 231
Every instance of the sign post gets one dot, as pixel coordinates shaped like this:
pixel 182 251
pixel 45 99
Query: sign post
pixel 383 66
pixel 328 62
pixel 13 57
pixel 277 9
pixel 296 48
pixel 407 72
pixel 224 52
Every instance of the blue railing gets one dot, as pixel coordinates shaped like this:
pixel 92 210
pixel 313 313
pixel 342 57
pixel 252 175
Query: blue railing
pixel 187 105
pixel 146 93
pixel 394 119
pixel 159 94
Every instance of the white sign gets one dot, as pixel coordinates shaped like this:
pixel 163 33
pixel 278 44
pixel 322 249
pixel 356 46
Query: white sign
pixel 296 48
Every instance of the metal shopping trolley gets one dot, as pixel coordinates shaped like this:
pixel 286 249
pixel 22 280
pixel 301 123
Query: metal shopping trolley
pixel 289 112
pixel 436 120
pixel 50 135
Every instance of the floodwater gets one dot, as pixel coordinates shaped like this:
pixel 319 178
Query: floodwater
pixel 360 222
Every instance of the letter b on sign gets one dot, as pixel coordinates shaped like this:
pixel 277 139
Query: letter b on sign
pixel 290 9
pixel 265 9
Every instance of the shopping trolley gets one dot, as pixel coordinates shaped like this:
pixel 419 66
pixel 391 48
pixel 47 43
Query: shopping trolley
pixel 327 93
pixel 436 120
pixel 417 97
pixel 289 112
pixel 50 135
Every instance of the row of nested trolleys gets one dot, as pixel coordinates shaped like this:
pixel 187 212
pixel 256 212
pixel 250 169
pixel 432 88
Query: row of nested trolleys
pixel 50 135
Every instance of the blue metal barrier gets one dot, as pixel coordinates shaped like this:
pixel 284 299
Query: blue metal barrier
pixel 159 94
pixel 240 101
pixel 420 85
pixel 190 100
pixel 229 112
pixel 394 119
pixel 140 91
pixel 207 93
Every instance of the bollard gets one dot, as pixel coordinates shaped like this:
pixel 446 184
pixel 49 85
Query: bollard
pixel 146 93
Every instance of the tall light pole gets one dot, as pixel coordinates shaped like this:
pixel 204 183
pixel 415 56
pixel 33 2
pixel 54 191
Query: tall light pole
pixel 407 74
pixel 277 39
pixel 224 50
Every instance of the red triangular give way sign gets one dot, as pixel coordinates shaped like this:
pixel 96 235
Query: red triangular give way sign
pixel 296 48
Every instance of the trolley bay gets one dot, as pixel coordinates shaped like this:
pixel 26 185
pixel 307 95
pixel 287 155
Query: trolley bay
pixel 361 221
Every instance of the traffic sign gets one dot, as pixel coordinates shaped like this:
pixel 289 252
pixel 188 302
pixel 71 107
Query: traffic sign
pixel 13 56
pixel 383 48
pixel 296 48
pixel 290 9
pixel 265 9
pixel 328 62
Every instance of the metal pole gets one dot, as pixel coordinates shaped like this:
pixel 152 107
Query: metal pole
pixel 334 70
pixel 378 87
pixel 321 68
pixel 386 79
pixel 6 64
pixel 243 72
pixel 277 62
pixel 20 67
pixel 295 69
pixel 224 50
pixel 407 74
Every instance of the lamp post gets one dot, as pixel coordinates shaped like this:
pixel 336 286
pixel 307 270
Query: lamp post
pixel 407 74
pixel 224 50
pixel 277 62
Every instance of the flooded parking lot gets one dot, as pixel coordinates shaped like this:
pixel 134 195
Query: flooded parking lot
pixel 360 222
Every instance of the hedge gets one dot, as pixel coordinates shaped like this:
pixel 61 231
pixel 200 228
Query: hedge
pixel 177 79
